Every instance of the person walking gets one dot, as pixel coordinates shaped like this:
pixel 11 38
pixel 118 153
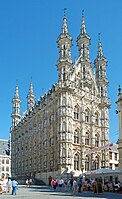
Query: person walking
pixel 27 183
pixel 60 183
pixel 30 182
pixel 54 184
pixel 14 186
pixel 9 184
pixel 74 187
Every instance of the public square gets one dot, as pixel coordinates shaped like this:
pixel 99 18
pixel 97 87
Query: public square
pixel 44 192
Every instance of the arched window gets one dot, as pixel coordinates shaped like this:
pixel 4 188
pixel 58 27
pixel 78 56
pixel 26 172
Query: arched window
pixel 76 162
pixel 2 168
pixel 69 153
pixel 63 152
pixel 76 112
pixel 70 127
pixel 64 126
pixel 7 168
pixel 103 156
pixel 96 163
pixel 87 139
pixel 70 102
pixel 87 115
pixel 96 140
pixel 76 137
pixel 84 72
pixel 3 161
pixel 103 161
pixel 101 91
pixel 96 118
pixel 7 161
pixel 64 101
pixel 87 162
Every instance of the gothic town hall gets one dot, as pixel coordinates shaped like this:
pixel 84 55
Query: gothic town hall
pixel 71 118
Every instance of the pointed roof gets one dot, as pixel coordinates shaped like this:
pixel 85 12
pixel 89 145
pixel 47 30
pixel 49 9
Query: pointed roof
pixel 100 55
pixel 16 98
pixel 64 25
pixel 100 50
pixel 31 93
pixel 83 33
pixel 83 27
pixel 16 92
pixel 31 89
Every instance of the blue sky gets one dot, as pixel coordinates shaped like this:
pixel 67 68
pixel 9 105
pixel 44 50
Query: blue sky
pixel 28 48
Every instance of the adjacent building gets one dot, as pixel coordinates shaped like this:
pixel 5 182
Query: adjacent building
pixel 5 159
pixel 71 118
pixel 113 157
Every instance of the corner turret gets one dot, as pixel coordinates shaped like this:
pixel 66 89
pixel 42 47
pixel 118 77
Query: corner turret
pixel 64 44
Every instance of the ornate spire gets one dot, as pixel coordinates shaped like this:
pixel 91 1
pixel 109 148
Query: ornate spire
pixel 16 108
pixel 100 50
pixel 83 28
pixel 83 42
pixel 64 26
pixel 30 98
pixel 16 93
pixel 31 89
pixel 64 45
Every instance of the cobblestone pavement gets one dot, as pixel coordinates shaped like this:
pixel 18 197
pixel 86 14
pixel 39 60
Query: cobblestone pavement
pixel 43 192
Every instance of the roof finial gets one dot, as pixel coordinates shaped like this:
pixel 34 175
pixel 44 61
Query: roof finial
pixel 16 81
pixel 82 13
pixel 31 78
pixel 65 9
pixel 119 90
pixel 99 38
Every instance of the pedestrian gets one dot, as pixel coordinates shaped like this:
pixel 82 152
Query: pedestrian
pixel 71 183
pixel 50 180
pixel 9 184
pixel 80 185
pixel 74 186
pixel 14 186
pixel 30 182
pixel 54 183
pixel 60 183
pixel 26 182
pixel 66 184
pixel 4 186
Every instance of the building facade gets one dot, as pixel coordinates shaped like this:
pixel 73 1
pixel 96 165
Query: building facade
pixel 114 157
pixel 119 111
pixel 5 159
pixel 72 117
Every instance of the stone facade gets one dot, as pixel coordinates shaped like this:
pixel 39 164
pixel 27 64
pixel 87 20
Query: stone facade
pixel 119 103
pixel 72 117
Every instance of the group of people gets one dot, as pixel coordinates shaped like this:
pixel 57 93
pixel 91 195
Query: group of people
pixel 8 186
pixel 76 185
pixel 67 184
pixel 28 182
